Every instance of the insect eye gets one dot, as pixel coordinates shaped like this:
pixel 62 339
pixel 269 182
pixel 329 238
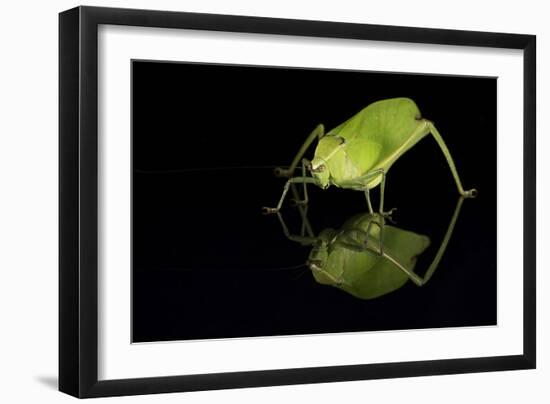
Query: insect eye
pixel 319 169
pixel 315 264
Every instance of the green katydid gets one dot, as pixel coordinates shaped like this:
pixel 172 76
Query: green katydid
pixel 358 153
pixel 366 257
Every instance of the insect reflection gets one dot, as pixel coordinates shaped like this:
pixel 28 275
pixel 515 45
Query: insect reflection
pixel 366 256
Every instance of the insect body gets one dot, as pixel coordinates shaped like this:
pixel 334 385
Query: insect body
pixel 358 153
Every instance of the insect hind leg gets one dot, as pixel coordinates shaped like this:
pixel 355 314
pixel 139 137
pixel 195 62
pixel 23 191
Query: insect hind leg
pixel 472 193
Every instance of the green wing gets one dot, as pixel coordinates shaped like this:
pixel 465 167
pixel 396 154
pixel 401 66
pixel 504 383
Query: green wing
pixel 377 136
pixel 394 124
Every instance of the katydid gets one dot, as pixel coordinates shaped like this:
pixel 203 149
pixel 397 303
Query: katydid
pixel 366 257
pixel 358 153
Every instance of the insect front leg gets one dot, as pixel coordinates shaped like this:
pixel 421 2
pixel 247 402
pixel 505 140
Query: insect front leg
pixel 305 200
pixel 303 239
pixel 291 181
pixel 318 132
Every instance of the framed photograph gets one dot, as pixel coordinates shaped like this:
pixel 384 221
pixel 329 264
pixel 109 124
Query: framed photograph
pixel 228 216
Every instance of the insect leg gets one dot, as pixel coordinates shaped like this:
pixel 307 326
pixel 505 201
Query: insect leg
pixel 318 132
pixel 302 204
pixel 367 195
pixel 302 239
pixel 389 213
pixel 361 183
pixel 467 194
pixel 297 200
pixel 380 250
pixel 302 208
pixel 362 246
pixel 366 179
pixel 292 180
pixel 433 266
pixel 420 281
pixel 305 164
pixel 306 226
pixel 382 191
pixel 412 276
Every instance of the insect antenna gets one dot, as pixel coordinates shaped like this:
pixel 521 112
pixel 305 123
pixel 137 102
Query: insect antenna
pixel 196 169
pixel 285 268
pixel 300 273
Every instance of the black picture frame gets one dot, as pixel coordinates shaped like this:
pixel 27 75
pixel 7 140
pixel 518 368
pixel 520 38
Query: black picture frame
pixel 78 201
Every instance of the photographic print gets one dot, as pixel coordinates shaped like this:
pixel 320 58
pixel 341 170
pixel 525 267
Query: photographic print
pixel 273 200
pixel 290 201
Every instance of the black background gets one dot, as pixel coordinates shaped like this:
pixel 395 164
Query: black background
pixel 208 264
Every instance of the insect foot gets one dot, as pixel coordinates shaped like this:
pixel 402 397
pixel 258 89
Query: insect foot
pixel 269 211
pixel 388 215
pixel 472 193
